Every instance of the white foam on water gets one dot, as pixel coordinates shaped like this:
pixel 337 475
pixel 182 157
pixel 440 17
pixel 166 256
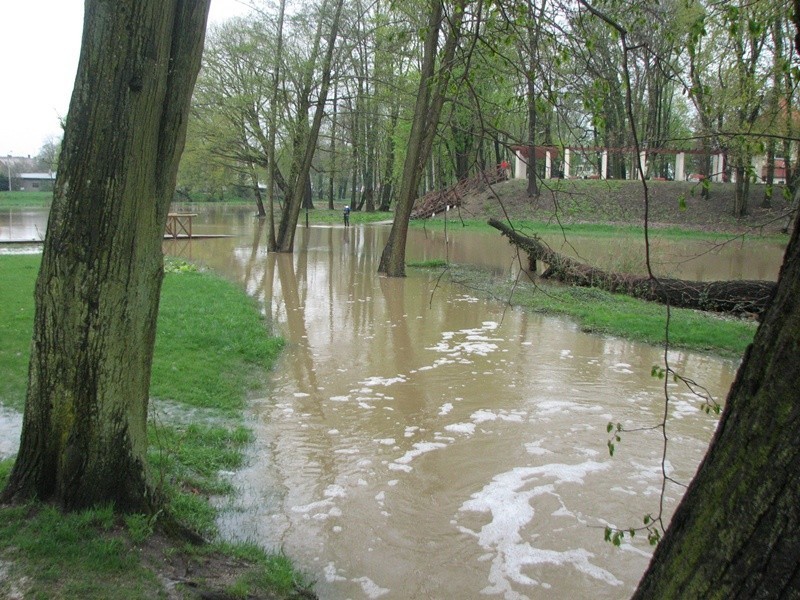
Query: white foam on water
pixel 411 430
pixel 331 573
pixel 623 368
pixel 420 448
pixel 371 589
pixel 465 428
pixel 552 407
pixel 508 500
pixel 445 409
pixel 340 398
pixel 683 407
pixel 396 467
pixel 371 382
pixel 385 441
pixel 535 448
pixel 483 415
pixel 301 395
pixel 330 492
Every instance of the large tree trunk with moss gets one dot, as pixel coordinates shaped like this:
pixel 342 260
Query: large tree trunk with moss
pixel 84 429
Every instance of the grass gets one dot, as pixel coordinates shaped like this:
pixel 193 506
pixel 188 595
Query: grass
pixel 599 311
pixel 212 349
pixel 603 230
pixel 210 344
pixel 25 199
pixel 17 278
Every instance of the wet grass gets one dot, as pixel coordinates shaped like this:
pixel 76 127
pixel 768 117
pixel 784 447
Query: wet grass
pixel 335 217
pixel 211 343
pixel 17 278
pixel 598 311
pixel 531 228
pixel 212 349
pixel 25 199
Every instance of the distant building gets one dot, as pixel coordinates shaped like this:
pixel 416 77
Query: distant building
pixel 36 182
pixel 12 166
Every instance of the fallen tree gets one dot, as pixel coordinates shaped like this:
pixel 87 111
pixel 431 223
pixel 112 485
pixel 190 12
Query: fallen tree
pixel 737 297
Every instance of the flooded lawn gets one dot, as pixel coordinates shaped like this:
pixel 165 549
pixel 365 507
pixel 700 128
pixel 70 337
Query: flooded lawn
pixel 420 442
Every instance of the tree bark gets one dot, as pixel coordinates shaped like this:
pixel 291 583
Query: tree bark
pixel 84 429
pixel 738 297
pixel 304 148
pixel 430 99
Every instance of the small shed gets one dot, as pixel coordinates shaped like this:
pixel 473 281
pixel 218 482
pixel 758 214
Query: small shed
pixel 36 182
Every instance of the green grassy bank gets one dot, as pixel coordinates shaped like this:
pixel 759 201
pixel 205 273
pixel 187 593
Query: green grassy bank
pixel 602 312
pixel 212 349
pixel 25 199
pixel 532 227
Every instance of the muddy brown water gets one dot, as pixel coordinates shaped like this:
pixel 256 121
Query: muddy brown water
pixel 417 441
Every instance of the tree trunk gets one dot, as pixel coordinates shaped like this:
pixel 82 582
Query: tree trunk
pixel 530 75
pixel 742 190
pixel 304 148
pixel 272 167
pixel 736 532
pixel 261 213
pixel 430 98
pixel 738 297
pixel 84 430
pixel 769 182
pixel 332 174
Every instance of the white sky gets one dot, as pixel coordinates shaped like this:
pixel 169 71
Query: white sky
pixel 40 43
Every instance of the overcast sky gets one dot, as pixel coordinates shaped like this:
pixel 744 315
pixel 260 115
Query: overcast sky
pixel 40 43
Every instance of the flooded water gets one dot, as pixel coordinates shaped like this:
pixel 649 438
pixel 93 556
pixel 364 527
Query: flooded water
pixel 418 441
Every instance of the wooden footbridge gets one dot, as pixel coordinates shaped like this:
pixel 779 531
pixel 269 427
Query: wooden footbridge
pixel 179 225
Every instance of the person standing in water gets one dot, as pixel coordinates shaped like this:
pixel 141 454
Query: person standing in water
pixel 347 216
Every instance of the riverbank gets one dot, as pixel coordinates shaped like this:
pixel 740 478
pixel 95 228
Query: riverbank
pixel 212 351
pixel 673 205
pixel 600 312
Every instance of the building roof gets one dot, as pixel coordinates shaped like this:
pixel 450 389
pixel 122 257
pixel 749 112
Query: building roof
pixel 47 176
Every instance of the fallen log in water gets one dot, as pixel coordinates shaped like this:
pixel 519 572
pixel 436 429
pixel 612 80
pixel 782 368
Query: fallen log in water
pixel 737 297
